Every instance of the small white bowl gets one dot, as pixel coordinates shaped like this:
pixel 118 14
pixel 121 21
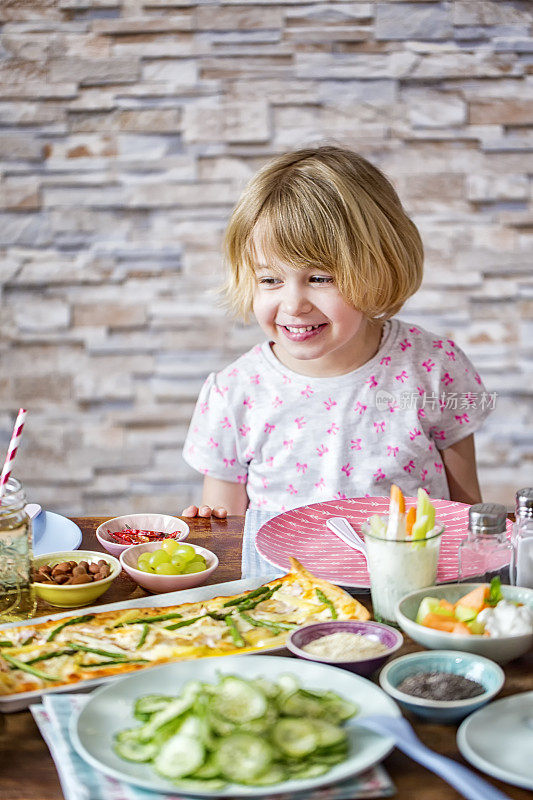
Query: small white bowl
pixel 145 522
pixel 498 648
pixel 165 583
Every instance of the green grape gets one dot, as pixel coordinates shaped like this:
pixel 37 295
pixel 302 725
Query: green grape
pixel 159 557
pixel 144 558
pixel 178 561
pixel 193 566
pixel 186 551
pixel 167 569
pixel 169 546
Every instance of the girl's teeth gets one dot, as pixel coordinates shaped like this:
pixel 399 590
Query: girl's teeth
pixel 301 330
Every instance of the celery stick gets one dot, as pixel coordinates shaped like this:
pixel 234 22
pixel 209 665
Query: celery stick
pixel 420 527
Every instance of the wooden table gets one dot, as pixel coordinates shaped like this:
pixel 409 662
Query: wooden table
pixel 27 771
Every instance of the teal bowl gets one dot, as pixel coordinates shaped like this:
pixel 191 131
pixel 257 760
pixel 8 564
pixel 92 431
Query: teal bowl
pixel 477 668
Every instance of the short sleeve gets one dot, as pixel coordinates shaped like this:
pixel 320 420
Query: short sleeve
pixel 463 400
pixel 210 446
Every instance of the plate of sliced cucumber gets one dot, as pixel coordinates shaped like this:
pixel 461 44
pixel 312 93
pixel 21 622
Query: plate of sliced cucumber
pixel 233 727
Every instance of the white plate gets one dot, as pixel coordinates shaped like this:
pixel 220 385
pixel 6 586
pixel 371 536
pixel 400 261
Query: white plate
pixel 16 702
pixel 498 739
pixel 109 710
pixel 53 533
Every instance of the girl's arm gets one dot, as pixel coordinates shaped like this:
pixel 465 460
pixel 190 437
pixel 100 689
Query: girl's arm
pixel 460 465
pixel 220 498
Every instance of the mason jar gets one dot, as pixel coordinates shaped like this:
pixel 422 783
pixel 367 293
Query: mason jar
pixel 17 599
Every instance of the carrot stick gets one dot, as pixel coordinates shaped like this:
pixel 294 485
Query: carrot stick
pixel 397 499
pixel 410 521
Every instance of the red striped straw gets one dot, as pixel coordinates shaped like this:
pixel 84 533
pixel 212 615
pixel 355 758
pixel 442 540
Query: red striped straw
pixel 12 449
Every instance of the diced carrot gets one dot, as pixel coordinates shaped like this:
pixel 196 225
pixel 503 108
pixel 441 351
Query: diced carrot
pixel 439 622
pixel 397 498
pixel 447 605
pixel 461 628
pixel 476 598
pixel 410 520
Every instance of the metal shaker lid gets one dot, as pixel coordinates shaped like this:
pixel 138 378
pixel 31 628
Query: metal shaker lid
pixel 487 518
pixel 524 503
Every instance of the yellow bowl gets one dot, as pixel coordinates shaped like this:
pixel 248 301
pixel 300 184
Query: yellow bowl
pixel 77 595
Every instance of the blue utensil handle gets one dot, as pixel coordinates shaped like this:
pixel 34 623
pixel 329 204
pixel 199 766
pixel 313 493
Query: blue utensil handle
pixel 467 783
pixel 461 778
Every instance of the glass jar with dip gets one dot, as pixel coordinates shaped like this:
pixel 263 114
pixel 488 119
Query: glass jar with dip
pixel 17 599
pixel 399 566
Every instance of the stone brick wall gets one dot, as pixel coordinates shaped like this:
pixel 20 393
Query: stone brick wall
pixel 127 130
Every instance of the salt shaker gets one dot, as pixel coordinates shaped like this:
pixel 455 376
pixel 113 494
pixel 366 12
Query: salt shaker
pixel 17 600
pixel 522 574
pixel 485 553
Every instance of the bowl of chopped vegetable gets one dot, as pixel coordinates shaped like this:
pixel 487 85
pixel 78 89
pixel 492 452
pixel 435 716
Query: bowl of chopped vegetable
pixel 361 647
pixel 495 621
pixel 168 565
pixel 119 533
pixel 73 577
pixel 443 685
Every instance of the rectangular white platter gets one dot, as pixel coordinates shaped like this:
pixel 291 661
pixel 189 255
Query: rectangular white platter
pixel 21 700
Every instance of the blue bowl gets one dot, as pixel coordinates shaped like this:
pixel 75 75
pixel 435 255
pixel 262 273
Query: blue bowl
pixel 472 666
pixel 390 637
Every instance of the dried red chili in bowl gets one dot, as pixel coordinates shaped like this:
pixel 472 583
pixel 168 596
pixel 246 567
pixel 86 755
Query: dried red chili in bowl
pixel 137 536
pixel 116 534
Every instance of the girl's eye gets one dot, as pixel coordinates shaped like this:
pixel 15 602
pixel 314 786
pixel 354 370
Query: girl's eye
pixel 267 281
pixel 321 279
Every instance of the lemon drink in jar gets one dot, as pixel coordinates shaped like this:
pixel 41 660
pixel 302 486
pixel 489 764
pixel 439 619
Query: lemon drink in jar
pixel 17 599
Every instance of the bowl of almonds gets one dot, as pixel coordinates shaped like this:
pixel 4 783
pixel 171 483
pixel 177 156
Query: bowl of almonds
pixel 74 577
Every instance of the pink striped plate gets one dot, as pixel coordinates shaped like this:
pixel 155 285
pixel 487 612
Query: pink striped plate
pixel 302 533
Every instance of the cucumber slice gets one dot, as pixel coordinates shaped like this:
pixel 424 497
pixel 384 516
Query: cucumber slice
pixel 287 684
pixel 209 768
pixel 134 750
pixel 295 737
pixel 312 770
pixel 269 688
pixel 302 704
pixel 219 725
pixel 239 701
pixel 328 734
pixel 180 756
pixel 332 758
pixel 338 709
pixel 149 704
pixel 260 725
pixel 174 709
pixel 274 774
pixel 192 785
pixel 242 757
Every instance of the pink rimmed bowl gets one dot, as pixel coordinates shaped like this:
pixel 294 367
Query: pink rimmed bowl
pixel 147 522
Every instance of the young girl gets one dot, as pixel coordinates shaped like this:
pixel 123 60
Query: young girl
pixel 342 399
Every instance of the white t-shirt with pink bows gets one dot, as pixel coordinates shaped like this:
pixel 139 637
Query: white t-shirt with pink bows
pixel 295 440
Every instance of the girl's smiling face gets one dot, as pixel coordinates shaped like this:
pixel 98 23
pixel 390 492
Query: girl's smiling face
pixel 313 329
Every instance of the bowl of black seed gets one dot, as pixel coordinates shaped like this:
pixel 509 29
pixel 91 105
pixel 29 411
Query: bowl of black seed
pixel 442 685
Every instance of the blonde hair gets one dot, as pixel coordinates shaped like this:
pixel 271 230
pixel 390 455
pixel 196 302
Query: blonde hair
pixel 330 209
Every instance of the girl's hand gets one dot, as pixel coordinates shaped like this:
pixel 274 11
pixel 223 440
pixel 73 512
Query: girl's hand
pixel 204 511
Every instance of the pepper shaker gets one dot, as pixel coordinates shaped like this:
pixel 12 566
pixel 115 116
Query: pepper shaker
pixel 486 552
